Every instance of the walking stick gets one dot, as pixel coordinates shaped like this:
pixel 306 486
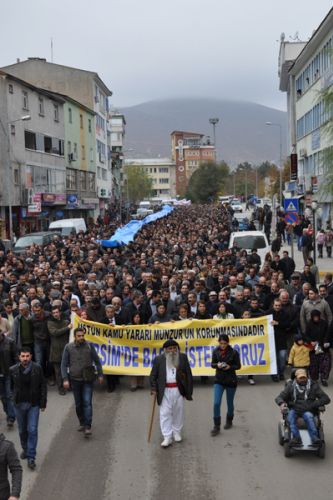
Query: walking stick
pixel 150 430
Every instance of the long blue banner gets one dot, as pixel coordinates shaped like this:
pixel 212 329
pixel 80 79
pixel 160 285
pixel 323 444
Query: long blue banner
pixel 126 234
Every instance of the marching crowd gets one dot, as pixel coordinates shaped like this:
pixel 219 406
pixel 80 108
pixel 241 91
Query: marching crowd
pixel 179 267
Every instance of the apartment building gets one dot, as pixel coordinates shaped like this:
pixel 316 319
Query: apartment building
pixel 188 150
pixel 87 88
pixel 116 136
pixel 32 156
pixel 162 171
pixel 305 69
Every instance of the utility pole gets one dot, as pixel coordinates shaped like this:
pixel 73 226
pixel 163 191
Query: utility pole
pixel 214 122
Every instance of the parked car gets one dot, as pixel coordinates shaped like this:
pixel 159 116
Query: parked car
pixel 236 206
pixel 249 240
pixel 42 239
pixel 141 213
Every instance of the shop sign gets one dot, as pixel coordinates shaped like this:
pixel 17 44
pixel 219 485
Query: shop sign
pixel 72 201
pixel 35 208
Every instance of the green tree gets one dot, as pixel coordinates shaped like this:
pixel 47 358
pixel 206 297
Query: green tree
pixel 207 182
pixel 138 183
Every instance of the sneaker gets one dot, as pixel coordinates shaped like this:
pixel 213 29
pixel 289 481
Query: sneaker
pixel 177 437
pixel 316 441
pixel 324 383
pixel 80 428
pixel 166 442
pixel 87 432
pixel 296 441
pixel 31 464
pixel 23 455
pixel 62 391
pixel 251 381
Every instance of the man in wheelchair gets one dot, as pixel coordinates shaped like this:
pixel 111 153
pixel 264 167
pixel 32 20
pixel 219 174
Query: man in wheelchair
pixel 302 397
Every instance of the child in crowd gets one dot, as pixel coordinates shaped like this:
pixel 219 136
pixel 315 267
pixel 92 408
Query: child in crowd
pixel 299 356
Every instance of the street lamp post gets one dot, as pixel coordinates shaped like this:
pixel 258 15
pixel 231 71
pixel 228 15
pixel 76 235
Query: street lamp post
pixel 214 122
pixel 314 206
pixel 8 171
pixel 280 136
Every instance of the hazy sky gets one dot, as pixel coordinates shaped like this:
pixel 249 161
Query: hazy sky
pixel 150 49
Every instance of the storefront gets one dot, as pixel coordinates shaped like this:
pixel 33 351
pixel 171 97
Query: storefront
pixel 43 209
pixel 76 207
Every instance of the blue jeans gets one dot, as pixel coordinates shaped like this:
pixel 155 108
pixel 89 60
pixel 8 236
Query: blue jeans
pixel 218 393
pixel 41 353
pixel 299 243
pixel 83 392
pixel 7 397
pixel 27 421
pixel 281 359
pixel 308 419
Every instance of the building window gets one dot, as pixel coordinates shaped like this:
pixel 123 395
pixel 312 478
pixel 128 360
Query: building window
pixel 69 147
pixel 83 151
pixel 12 129
pixel 99 172
pixel 91 181
pixel 163 170
pixel 91 154
pixel 70 179
pixel 164 180
pixel 75 151
pixel 47 144
pixel 30 139
pixel 83 182
pixel 25 100
pixel 40 106
pixel 56 112
pixel 104 174
pixel 70 117
pixel 10 89
pixel 16 177
pixel 81 121
pixel 89 125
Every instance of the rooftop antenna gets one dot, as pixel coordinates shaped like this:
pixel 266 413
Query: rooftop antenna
pixel 295 38
pixel 52 50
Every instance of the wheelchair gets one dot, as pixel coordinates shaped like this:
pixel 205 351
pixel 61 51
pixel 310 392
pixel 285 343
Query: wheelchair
pixel 284 434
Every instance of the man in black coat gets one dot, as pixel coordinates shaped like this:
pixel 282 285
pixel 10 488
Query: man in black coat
pixel 171 381
pixel 303 397
pixel 9 460
pixel 8 358
pixel 29 396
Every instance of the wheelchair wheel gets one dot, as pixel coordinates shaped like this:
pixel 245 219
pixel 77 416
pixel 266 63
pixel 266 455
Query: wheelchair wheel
pixel 287 450
pixel 280 434
pixel 321 451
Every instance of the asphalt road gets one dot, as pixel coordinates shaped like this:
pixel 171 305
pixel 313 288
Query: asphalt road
pixel 118 463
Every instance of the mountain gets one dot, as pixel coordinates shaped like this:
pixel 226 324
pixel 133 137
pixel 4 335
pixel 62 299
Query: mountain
pixel 241 134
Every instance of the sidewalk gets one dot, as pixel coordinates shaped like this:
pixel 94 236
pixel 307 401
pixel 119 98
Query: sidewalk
pixel 325 264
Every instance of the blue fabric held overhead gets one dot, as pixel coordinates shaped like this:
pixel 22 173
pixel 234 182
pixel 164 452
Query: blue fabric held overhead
pixel 126 234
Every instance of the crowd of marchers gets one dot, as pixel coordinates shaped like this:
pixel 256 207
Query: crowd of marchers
pixel 177 268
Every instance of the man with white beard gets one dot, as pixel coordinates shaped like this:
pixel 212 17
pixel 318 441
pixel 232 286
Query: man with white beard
pixel 171 380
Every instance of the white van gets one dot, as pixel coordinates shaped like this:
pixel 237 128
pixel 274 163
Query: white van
pixel 249 240
pixel 145 204
pixel 68 226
